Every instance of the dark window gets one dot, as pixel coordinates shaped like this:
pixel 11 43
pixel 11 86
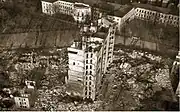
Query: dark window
pixel 89 93
pixel 90 83
pixel 90 66
pixel 90 72
pixel 91 61
pixel 86 55
pixel 86 72
pixel 86 93
pixel 90 78
pixel 86 67
pixel 73 63
pixel 91 55
pixel 86 61
pixel 86 78
pixel 89 88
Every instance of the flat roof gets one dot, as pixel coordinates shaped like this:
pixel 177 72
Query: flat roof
pixel 115 9
pixel 51 1
pixel 121 11
pixel 80 5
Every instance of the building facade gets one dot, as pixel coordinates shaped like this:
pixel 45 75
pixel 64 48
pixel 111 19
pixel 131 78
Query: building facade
pixel 64 7
pixel 47 7
pixel 139 12
pixel 154 16
pixel 108 48
pixel 22 102
pixel 91 60
pixel 81 12
pixel 91 45
pixel 76 70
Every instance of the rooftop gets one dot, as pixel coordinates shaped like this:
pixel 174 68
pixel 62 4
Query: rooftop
pixel 51 1
pixel 80 5
pixel 122 10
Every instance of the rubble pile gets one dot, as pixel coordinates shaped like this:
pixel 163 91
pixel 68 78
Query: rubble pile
pixel 57 99
pixel 138 76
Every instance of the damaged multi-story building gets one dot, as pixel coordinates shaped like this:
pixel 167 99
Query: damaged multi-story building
pixel 89 59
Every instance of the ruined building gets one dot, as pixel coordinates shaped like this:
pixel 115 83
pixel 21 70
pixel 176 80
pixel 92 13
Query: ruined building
pixel 175 74
pixel 89 59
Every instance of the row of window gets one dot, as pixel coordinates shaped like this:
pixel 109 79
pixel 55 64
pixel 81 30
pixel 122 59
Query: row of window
pixel 90 67
pixel 90 78
pixel 87 55
pixel 89 82
pixel 22 103
pixel 87 88
pixel 66 4
pixel 90 72
pixel 23 106
pixel 69 8
pixel 160 20
pixel 89 62
pixel 86 94
pixel 157 14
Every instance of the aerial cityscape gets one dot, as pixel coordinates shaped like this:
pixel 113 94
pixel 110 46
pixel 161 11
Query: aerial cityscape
pixel 89 55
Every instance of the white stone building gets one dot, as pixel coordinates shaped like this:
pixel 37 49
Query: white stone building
pixel 81 12
pixel 63 7
pixel 91 45
pixel 76 69
pixel 89 59
pixel 47 6
pixel 158 17
pixel 22 102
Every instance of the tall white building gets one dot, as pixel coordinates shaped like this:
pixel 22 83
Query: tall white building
pixel 76 69
pixel 96 55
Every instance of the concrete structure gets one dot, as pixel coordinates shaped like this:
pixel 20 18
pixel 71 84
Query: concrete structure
pixel 22 102
pixel 91 46
pixel 47 6
pixel 89 59
pixel 81 12
pixel 76 69
pixel 63 7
